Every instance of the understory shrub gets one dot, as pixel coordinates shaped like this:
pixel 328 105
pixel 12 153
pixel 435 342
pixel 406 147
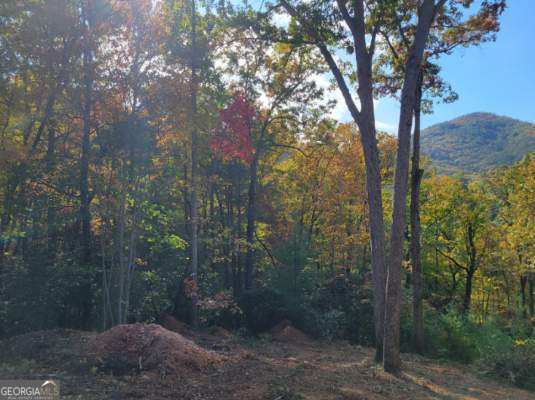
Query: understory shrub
pixel 339 309
pixel 509 357
pixel 329 325
pixel 262 308
pixel 457 338
pixel 220 310
pixel 499 348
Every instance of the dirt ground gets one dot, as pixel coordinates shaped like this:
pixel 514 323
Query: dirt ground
pixel 266 369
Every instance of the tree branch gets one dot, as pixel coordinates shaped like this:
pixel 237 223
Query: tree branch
pixel 355 113
pixel 453 260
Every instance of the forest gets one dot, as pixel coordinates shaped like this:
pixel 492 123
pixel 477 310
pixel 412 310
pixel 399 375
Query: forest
pixel 175 165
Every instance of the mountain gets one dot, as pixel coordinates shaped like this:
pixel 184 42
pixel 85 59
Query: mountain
pixel 477 142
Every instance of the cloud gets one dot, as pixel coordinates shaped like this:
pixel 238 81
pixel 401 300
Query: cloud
pixel 340 111
pixel 281 19
pixel 386 127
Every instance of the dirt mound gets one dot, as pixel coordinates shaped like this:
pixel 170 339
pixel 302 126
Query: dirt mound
pixel 284 331
pixel 172 324
pixel 141 347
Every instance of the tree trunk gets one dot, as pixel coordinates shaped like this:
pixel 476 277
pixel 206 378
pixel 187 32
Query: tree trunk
pixel 468 292
pixel 523 302
pixel 366 124
pixel 251 216
pixel 365 120
pixel 120 253
pixel 194 211
pixel 85 215
pixel 470 272
pixel 238 259
pixel 377 235
pixel 531 295
pixel 391 357
pixel 85 200
pixel 416 176
pixel 50 206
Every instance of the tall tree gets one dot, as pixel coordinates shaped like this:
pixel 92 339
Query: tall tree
pixel 449 31
pixel 272 90
pixel 415 244
pixel 191 39
pixel 88 25
pixel 321 25
pixel 193 190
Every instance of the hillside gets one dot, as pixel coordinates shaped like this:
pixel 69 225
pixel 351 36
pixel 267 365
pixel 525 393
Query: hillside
pixel 477 142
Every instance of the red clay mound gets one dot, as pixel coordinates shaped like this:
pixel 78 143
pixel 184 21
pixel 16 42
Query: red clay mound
pixel 150 348
pixel 284 331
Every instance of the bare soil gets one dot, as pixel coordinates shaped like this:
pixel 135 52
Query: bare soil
pixel 141 347
pixel 286 332
pixel 224 367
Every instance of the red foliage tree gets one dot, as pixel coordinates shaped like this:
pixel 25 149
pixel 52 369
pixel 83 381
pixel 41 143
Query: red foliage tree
pixel 234 139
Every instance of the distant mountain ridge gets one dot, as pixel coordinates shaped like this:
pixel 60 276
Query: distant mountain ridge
pixel 477 142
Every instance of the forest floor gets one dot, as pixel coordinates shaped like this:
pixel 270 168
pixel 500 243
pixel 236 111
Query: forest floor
pixel 280 367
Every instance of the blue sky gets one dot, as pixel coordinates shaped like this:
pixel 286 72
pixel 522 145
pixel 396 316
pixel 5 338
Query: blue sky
pixel 497 77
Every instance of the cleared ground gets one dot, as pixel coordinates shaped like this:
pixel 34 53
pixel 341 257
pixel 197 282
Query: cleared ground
pixel 289 368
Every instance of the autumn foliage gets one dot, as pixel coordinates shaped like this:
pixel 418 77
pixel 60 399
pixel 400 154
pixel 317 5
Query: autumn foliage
pixel 234 138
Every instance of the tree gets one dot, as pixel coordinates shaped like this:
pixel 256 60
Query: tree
pixel 87 22
pixel 325 226
pixel 189 42
pixel 448 33
pixel 511 189
pixel 320 24
pixel 460 215
pixel 113 113
pixel 272 90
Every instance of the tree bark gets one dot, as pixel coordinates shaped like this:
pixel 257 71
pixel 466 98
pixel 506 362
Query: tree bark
pixel 391 356
pixel 377 235
pixel 415 247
